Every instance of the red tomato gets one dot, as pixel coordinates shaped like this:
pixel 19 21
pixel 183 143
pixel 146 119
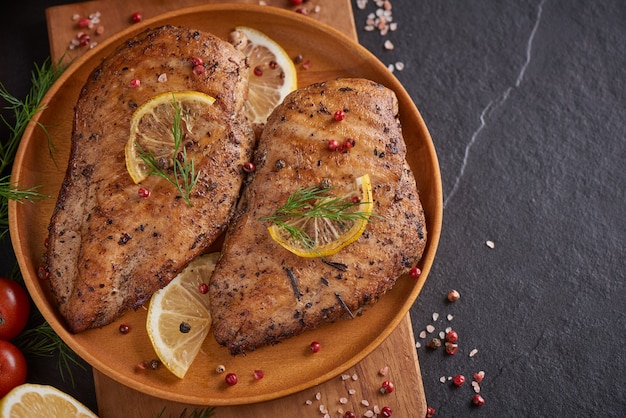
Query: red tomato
pixel 12 367
pixel 14 308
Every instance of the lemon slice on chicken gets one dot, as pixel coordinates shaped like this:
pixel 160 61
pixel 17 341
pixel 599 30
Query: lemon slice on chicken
pixel 326 223
pixel 152 128
pixel 33 400
pixel 272 74
pixel 178 316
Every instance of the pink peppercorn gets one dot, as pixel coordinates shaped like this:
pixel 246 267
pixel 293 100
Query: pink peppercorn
pixel 315 346
pixel 478 400
pixel 248 167
pixel 339 115
pixel 333 144
pixel 258 374
pixel 231 379
pixel 124 329
pixel 386 411
pixel 196 61
pixel 452 348
pixel 143 192
pixel 136 17
pixel 458 380
pixel 349 414
pixel 135 82
pixel 203 288
pixel 415 272
pixel 387 387
pixel 452 336
pixel 430 412
pixel 83 22
pixel 198 69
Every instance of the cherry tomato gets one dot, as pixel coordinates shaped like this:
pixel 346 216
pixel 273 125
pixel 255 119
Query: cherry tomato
pixel 14 308
pixel 12 367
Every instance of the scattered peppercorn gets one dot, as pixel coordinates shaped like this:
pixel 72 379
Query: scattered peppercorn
pixel 458 380
pixel 415 272
pixel 184 327
pixel 387 387
pixel 83 22
pixel 430 412
pixel 196 61
pixel 258 71
pixel 203 288
pixel 124 329
pixel 349 414
pixel 333 144
pixel 339 115
pixel 198 69
pixel 280 164
pixel 386 411
pixel 135 82
pixel 231 379
pixel 315 346
pixel 478 400
pixel 296 2
pixel 453 296
pixel 258 374
pixel 136 17
pixel 434 344
pixel 452 348
pixel 154 364
pixel 248 167
pixel 452 336
pixel 143 192
pixel 220 369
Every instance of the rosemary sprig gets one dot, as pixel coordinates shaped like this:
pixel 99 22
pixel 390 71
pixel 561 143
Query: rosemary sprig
pixel 313 203
pixel 184 176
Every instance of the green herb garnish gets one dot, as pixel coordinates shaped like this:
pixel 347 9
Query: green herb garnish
pixel 313 203
pixel 184 176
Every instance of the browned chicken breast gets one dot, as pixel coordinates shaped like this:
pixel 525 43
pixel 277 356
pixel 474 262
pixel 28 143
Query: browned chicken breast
pixel 262 293
pixel 110 246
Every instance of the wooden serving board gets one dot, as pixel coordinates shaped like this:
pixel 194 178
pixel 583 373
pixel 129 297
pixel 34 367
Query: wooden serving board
pixel 361 382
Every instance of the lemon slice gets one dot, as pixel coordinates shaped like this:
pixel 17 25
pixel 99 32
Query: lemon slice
pixel 31 400
pixel 327 235
pixel 272 74
pixel 151 128
pixel 178 316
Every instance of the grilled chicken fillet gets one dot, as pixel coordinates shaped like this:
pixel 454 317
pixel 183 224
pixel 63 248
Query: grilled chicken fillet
pixel 260 292
pixel 108 248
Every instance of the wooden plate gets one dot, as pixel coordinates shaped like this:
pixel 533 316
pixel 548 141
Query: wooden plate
pixel 289 366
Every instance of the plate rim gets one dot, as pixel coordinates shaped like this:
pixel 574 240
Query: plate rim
pixel 427 260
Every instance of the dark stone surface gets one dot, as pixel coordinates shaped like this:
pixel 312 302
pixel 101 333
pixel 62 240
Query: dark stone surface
pixel 526 104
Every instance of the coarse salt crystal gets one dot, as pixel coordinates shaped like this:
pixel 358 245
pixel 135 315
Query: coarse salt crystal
pixel 345 376
pixel 399 66
pixel 318 396
pixel 308 402
pixel 343 401
pixel 388 45
pixel 355 377
pixel 490 244
pixel 162 78
pixel 423 334
pixel 418 345
pixel 384 371
pixel 323 409
pixel 442 379
pixel 376 409
pixel 393 26
pixel 369 28
pixel 473 352
pixel 435 316
pixel 368 414
pixel 365 402
pixel 450 317
pixel 361 4
pixel 351 391
pixel 390 67
pixel 442 335
pixel 476 387
pixel 430 328
pixel 448 329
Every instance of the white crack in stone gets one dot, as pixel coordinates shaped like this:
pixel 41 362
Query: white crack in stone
pixel 495 104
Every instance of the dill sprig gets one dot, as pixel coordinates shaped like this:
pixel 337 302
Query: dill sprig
pixel 42 341
pixel 23 110
pixel 313 203
pixel 184 176
pixel 196 413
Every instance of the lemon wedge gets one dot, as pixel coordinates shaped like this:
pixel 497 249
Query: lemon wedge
pixel 326 230
pixel 151 128
pixel 272 74
pixel 178 316
pixel 32 400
